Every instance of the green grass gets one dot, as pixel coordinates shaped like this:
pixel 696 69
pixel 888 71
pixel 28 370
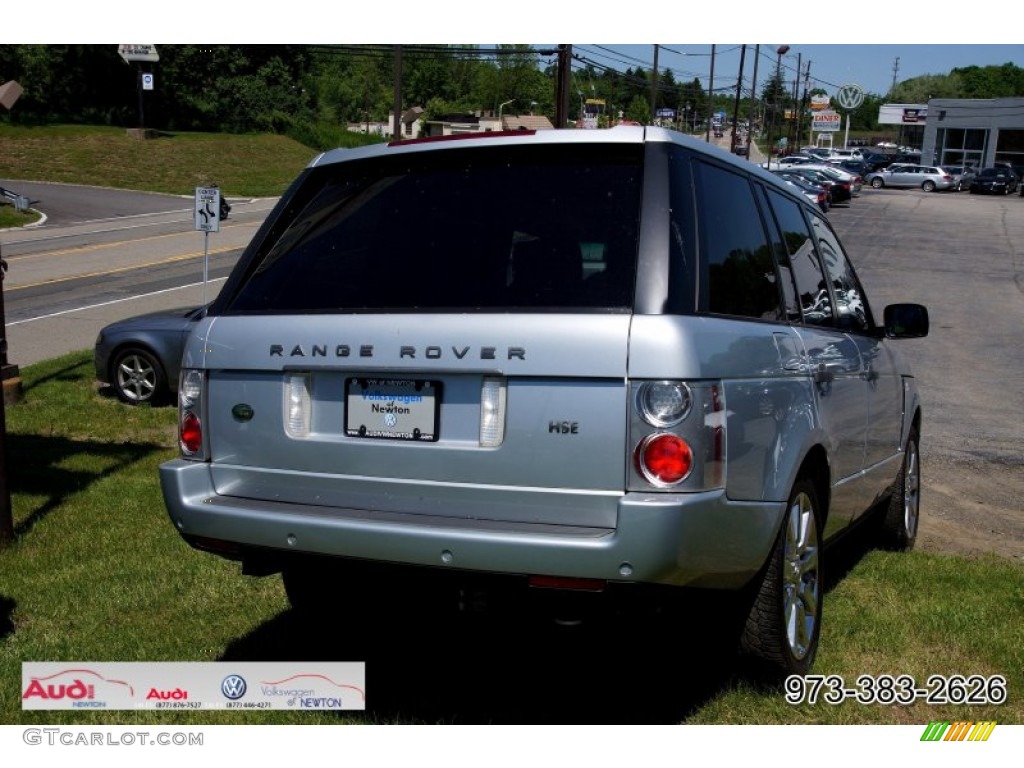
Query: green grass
pixel 256 165
pixel 98 573
pixel 12 218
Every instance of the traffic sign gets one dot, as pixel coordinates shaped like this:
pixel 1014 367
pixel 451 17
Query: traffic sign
pixel 147 81
pixel 207 210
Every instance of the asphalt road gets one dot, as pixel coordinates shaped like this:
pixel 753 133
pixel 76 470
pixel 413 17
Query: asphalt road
pixel 962 256
pixel 65 204
pixel 67 280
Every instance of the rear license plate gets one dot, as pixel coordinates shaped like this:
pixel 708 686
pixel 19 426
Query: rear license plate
pixel 392 409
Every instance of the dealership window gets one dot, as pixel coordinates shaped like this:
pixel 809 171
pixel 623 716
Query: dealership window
pixel 962 146
pixel 1010 147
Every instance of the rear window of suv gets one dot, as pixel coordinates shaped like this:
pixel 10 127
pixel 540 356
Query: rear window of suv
pixel 480 229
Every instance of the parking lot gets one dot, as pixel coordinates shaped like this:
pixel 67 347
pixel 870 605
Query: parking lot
pixel 963 256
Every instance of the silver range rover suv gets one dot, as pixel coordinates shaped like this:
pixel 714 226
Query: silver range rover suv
pixel 578 360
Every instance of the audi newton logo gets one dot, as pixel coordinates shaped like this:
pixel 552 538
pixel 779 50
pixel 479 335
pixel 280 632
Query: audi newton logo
pixel 233 687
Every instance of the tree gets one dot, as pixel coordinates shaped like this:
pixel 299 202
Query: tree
pixel 639 110
pixel 514 75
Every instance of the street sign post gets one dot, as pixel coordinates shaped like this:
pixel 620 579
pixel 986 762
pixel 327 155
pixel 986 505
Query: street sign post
pixel 207 220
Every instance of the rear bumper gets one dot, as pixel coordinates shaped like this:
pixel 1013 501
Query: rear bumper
pixel 699 539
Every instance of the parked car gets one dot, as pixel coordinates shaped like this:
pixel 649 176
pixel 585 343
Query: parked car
pixel 875 161
pixel 840 190
pixel 604 364
pixel 788 161
pixel 839 174
pixel 817 194
pixel 962 175
pixel 994 181
pixel 140 357
pixel 928 178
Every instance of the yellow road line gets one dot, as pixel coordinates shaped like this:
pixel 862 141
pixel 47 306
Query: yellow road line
pixel 171 260
pixel 100 246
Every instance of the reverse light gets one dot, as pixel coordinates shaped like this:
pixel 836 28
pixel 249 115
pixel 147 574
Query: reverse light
pixel 190 388
pixel 297 405
pixel 664 403
pixel 664 459
pixel 492 412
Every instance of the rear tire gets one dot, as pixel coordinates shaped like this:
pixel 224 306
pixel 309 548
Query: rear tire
pixel 928 186
pixel 784 622
pixel 877 183
pixel 900 521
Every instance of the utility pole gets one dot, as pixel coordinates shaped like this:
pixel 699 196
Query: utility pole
pixel 895 72
pixel 711 95
pixel 397 129
pixel 777 87
pixel 562 85
pixel 803 107
pixel 753 95
pixel 736 108
pixel 796 90
pixel 654 86
pixel 6 516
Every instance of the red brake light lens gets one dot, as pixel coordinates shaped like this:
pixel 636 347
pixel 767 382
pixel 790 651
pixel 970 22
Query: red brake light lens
pixel 664 459
pixel 191 433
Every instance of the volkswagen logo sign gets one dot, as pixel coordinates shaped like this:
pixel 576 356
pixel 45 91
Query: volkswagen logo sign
pixel 850 96
pixel 233 687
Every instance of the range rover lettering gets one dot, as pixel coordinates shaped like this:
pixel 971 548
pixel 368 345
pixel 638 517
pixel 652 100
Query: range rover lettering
pixel 616 361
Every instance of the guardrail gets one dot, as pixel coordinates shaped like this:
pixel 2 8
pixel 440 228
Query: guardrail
pixel 20 202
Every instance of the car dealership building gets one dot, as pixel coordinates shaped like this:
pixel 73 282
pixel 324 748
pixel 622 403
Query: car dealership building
pixel 978 132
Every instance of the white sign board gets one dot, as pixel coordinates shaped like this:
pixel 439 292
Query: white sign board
pixel 9 93
pixel 826 121
pixel 147 81
pixel 207 209
pixel 133 52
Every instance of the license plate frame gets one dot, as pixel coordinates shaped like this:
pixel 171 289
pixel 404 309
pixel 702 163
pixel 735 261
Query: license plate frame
pixel 392 408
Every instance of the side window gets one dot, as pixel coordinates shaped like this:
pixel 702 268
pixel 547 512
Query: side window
pixel 812 288
pixel 791 301
pixel 852 309
pixel 740 277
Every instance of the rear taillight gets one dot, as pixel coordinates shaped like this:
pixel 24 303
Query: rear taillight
pixel 190 414
pixel 677 430
pixel 664 459
pixel 191 433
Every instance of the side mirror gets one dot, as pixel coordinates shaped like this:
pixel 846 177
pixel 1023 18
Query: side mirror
pixel 906 321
